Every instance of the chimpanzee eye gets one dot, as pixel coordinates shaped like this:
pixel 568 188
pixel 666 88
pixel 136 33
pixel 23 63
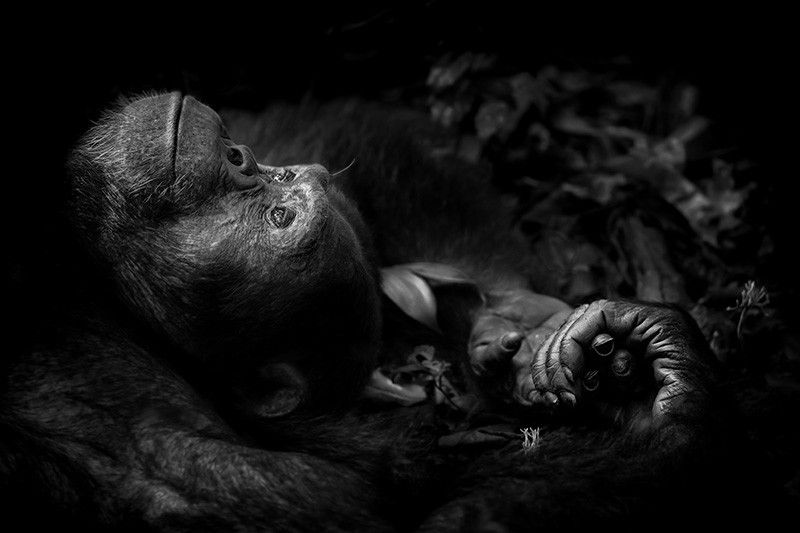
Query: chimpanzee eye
pixel 235 157
pixel 285 175
pixel 281 217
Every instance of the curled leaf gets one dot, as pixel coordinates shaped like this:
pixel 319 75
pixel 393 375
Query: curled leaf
pixel 383 389
pixel 411 293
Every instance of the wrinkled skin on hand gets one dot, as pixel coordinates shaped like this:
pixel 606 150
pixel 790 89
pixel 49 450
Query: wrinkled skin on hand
pixel 622 358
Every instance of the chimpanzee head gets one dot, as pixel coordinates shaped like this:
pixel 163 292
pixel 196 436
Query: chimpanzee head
pixel 263 274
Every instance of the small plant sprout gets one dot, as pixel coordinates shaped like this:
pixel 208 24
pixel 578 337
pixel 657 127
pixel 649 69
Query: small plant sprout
pixel 530 439
pixel 752 298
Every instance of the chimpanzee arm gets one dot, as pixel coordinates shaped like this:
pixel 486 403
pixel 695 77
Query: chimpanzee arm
pixel 119 433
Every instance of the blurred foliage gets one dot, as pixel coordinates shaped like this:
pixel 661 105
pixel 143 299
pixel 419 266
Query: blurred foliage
pixel 622 187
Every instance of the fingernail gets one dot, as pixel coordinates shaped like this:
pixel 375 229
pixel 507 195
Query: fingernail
pixel 568 398
pixel 511 341
pixel 551 398
pixel 591 381
pixel 568 374
pixel 603 345
pixel 534 396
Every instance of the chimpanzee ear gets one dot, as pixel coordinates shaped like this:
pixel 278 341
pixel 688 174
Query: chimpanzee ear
pixel 276 389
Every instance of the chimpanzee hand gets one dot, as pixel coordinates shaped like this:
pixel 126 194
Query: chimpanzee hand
pixel 616 353
pixel 609 354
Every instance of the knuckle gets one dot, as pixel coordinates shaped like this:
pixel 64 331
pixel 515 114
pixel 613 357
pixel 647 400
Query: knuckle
pixel 539 375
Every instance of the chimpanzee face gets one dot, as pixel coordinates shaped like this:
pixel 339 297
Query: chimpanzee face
pixel 242 265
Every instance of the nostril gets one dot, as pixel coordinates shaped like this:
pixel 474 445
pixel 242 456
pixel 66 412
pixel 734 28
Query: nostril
pixel 322 176
pixel 235 156
pixel 243 168
pixel 243 159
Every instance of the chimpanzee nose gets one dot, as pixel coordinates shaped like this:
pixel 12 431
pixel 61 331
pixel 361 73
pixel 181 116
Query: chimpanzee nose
pixel 242 166
pixel 293 175
pixel 316 173
pixel 242 157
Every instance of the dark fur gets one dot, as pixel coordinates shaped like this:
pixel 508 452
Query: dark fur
pixel 131 416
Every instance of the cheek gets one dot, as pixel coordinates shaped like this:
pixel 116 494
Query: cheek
pixel 315 268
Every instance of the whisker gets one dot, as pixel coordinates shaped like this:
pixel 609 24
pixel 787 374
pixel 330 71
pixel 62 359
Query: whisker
pixel 344 169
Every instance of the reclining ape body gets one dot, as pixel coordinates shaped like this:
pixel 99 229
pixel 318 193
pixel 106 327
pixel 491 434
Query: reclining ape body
pixel 213 389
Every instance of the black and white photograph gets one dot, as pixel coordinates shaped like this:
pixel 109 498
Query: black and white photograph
pixel 419 266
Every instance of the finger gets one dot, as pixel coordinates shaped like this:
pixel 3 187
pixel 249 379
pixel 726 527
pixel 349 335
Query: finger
pixel 558 379
pixel 545 334
pixel 510 342
pixel 635 326
pixel 524 390
pixel 591 380
pixel 616 379
pixel 502 347
pixel 567 397
pixel 603 345
pixel 497 354
pixel 617 319
pixel 547 357
pixel 489 327
pixel 538 372
pixel 523 360
pixel 671 387
pixel 622 364
pixel 487 331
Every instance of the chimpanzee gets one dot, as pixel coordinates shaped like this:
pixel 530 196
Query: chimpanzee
pixel 215 379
